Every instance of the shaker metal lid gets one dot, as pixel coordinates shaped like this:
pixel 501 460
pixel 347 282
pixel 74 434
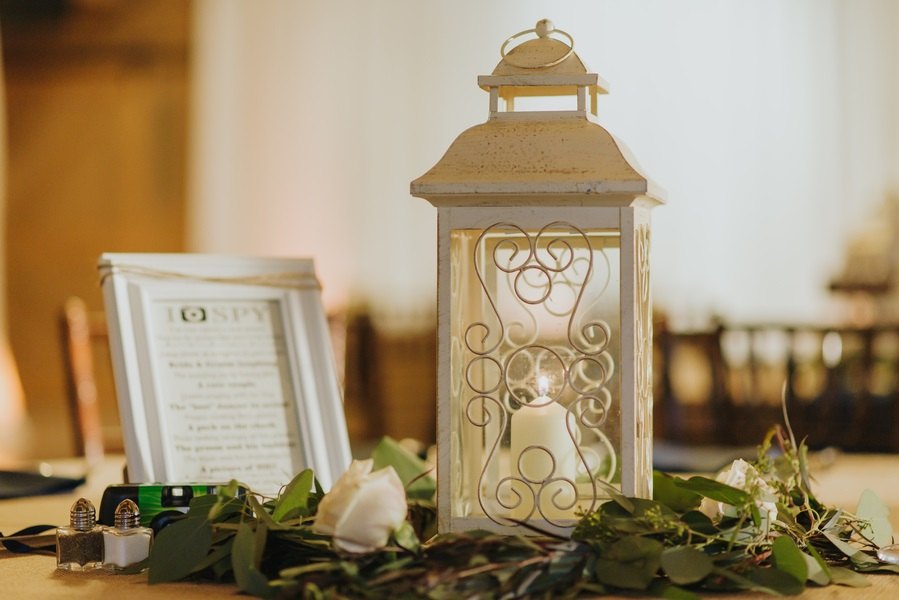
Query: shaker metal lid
pixel 127 515
pixel 83 515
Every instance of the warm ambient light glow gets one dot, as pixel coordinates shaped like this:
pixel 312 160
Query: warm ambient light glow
pixel 14 429
pixel 831 349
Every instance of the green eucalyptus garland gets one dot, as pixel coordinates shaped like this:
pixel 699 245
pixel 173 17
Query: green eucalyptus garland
pixel 769 534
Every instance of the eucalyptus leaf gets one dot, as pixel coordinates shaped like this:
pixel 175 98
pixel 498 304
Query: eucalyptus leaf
pixel 644 507
pixel 229 509
pixel 295 497
pixel 201 505
pixel 262 515
pixel 785 515
pixel 257 584
pixel 699 522
pixel 870 505
pixel 834 520
pixel 623 576
pixel 849 550
pixel 872 509
pixel 623 501
pixel 616 510
pixel 848 577
pixel 410 468
pixel 756 515
pixel 261 535
pixel 666 491
pixel 405 537
pixel 641 517
pixel 685 565
pixel 774 579
pixel 737 581
pixel 789 558
pixel 714 490
pixel 878 568
pixel 630 526
pixel 743 583
pixel 219 552
pixel 821 562
pixel 630 563
pixel 222 569
pixel 816 570
pixel 245 559
pixel 634 514
pixel 179 549
pixel 243 551
pixel 215 507
pixel 300 570
pixel 231 490
pixel 784 467
pixel 633 549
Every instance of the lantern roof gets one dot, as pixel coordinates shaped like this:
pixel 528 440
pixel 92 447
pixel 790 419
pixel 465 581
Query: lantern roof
pixel 538 157
pixel 543 66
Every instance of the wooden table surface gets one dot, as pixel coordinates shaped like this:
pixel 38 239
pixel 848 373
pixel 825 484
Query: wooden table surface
pixel 35 576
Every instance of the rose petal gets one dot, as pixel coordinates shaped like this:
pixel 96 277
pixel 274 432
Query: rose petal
pixel 335 502
pixel 375 511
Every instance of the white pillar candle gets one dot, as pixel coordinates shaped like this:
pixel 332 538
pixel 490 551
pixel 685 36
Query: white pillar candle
pixel 542 424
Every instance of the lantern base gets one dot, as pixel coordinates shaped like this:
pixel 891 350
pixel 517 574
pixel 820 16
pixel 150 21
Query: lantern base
pixel 533 527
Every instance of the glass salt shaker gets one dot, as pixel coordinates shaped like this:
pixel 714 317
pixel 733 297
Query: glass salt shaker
pixel 127 543
pixel 79 547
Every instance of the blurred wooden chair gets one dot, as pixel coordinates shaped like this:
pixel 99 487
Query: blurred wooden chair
pixel 690 389
pixel 391 380
pixel 86 350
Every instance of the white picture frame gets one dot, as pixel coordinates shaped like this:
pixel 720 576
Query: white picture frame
pixel 223 369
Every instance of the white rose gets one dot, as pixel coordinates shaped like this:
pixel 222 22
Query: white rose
pixel 743 476
pixel 363 508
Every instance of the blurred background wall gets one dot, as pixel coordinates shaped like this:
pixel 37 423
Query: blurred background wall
pixel 97 115
pixel 278 127
pixel 771 125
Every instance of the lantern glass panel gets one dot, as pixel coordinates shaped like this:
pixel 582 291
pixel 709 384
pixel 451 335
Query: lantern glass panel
pixel 535 327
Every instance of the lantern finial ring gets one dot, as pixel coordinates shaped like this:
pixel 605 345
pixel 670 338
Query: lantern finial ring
pixel 543 29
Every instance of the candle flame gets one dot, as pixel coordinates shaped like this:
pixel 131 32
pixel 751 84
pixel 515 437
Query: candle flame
pixel 542 385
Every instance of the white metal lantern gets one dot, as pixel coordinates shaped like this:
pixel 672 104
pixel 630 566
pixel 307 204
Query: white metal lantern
pixel 544 313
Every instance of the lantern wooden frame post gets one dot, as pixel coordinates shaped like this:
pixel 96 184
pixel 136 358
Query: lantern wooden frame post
pixel 636 334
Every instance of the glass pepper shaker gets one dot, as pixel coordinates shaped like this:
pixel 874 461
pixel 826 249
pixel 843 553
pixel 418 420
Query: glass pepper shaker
pixel 127 543
pixel 79 547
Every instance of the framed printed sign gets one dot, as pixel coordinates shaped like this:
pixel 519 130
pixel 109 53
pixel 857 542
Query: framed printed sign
pixel 223 369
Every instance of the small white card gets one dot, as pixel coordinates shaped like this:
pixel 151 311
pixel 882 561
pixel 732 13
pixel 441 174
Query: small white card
pixel 224 369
